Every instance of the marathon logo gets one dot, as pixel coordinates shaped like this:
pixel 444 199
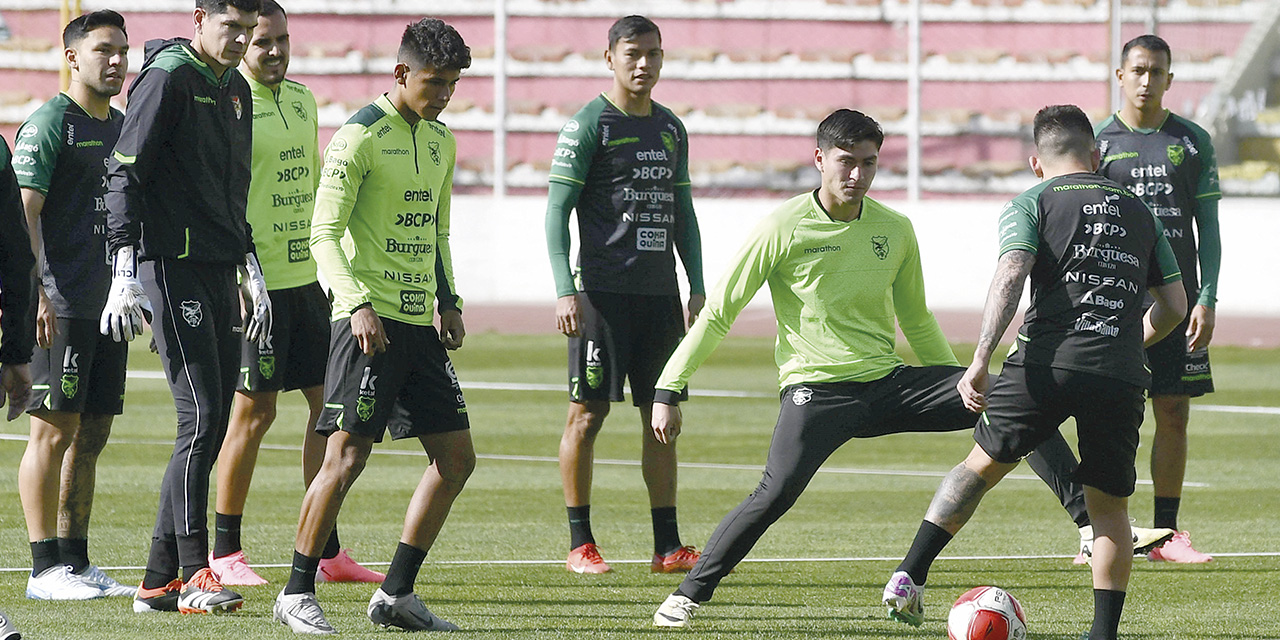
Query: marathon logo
pixel 823 249
pixel 413 303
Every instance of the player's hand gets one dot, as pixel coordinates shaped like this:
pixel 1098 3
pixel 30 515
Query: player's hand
pixel 451 329
pixel 366 328
pixel 16 380
pixel 973 387
pixel 46 321
pixel 666 422
pixel 568 317
pixel 696 302
pixel 126 304
pixel 257 321
pixel 1200 327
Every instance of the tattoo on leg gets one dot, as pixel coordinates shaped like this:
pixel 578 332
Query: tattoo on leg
pixel 956 499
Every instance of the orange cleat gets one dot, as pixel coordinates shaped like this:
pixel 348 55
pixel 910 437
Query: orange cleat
pixel 587 559
pixel 679 561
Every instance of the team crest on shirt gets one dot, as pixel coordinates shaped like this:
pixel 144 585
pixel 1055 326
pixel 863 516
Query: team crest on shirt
pixel 267 366
pixel 191 312
pixel 70 385
pixel 801 396
pixel 1177 153
pixel 1102 147
pixel 668 141
pixel 880 246
pixel 236 104
pixel 364 407
pixel 434 148
pixel 300 110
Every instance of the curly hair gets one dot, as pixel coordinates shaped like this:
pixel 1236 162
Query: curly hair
pixel 431 42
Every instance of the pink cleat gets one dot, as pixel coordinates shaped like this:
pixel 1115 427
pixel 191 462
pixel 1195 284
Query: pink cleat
pixel 1178 550
pixel 587 559
pixel 234 569
pixel 341 568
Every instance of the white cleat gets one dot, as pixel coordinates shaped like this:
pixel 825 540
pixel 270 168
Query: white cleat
pixel 301 612
pixel 58 583
pixel 905 599
pixel 406 612
pixel 676 612
pixel 94 577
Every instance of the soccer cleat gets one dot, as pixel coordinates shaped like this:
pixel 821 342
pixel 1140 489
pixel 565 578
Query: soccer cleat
pixel 204 594
pixel 58 583
pixel 94 577
pixel 1179 550
pixel 587 559
pixel 159 599
pixel 8 631
pixel 905 599
pixel 676 611
pixel 234 569
pixel 341 568
pixel 1144 540
pixel 301 612
pixel 406 612
pixel 679 561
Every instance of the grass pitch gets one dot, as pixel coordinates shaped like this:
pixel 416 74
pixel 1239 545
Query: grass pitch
pixel 497 569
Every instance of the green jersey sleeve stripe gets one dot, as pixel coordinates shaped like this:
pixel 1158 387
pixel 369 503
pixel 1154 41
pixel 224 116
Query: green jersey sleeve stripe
pixel 568 179
pixel 1018 245
pixel 123 159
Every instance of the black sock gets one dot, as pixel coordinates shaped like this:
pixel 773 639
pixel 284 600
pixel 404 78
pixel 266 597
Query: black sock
pixel 193 554
pixel 302 577
pixel 1166 516
pixel 930 541
pixel 580 526
pixel 44 554
pixel 226 534
pixel 162 563
pixel 666 535
pixel 1107 605
pixel 75 552
pixel 331 546
pixel 403 570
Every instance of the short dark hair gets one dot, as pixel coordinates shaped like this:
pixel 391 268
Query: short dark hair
pixel 845 128
pixel 1152 43
pixel 631 27
pixel 220 6
pixel 1062 130
pixel 434 43
pixel 270 8
pixel 77 29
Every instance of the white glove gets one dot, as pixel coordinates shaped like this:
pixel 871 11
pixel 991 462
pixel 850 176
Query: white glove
pixel 257 324
pixel 126 302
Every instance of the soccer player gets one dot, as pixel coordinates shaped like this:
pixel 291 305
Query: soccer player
pixel 17 324
pixel 623 163
pixel 381 237
pixel 841 267
pixel 286 170
pixel 1168 161
pixel 178 180
pixel 1090 247
pixel 79 374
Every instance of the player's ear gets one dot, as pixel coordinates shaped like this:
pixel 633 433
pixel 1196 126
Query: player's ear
pixel 1095 159
pixel 1035 166
pixel 198 17
pixel 1168 81
pixel 70 55
pixel 608 58
pixel 402 74
pixel 817 158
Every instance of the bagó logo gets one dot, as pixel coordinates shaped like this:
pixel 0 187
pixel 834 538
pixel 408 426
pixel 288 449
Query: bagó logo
pixel 880 246
pixel 191 312
pixel 1177 153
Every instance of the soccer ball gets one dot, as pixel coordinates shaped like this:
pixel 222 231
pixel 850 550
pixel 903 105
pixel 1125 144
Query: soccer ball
pixel 986 613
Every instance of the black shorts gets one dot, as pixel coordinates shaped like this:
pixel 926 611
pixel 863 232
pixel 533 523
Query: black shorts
pixel 1174 371
pixel 298 348
pixel 409 390
pixel 82 371
pixel 1027 404
pixel 622 336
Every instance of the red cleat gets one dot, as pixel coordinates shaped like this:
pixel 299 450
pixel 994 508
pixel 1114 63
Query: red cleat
pixel 587 559
pixel 679 561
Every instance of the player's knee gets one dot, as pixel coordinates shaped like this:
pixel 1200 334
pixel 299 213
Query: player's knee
pixel 456 468
pixel 587 419
pixel 92 436
pixel 50 439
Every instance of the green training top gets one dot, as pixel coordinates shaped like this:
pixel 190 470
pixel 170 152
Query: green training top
pixel 836 287
pixel 381 229
pixel 286 170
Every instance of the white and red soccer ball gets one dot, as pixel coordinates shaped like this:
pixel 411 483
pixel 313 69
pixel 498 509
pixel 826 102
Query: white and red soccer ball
pixel 986 613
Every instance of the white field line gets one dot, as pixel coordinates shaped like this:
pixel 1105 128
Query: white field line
pixel 721 393
pixel 620 463
pixel 558 561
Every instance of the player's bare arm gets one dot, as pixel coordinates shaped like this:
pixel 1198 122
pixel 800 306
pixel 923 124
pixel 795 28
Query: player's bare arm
pixel 46 320
pixel 568 317
pixel 1166 314
pixel 16 382
pixel 666 422
pixel 452 330
pixel 1200 327
pixel 1002 304
pixel 366 328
